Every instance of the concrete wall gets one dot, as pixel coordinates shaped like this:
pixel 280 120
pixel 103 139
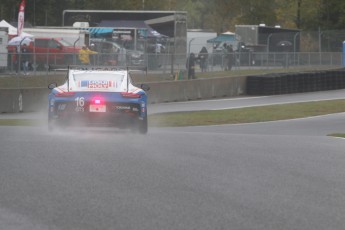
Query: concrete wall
pixel 18 100
pixel 30 100
pixel 196 89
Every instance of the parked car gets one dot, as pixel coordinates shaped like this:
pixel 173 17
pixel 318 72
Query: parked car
pixel 110 51
pixel 48 51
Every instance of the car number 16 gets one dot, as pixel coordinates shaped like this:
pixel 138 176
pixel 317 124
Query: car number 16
pixel 80 104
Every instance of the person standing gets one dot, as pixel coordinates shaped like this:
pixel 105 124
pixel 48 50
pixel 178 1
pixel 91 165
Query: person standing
pixel 190 65
pixel 84 55
pixel 203 57
pixel 25 59
pixel 230 58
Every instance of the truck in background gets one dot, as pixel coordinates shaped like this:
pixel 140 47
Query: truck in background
pixel 196 39
pixel 73 36
pixel 47 51
pixel 258 41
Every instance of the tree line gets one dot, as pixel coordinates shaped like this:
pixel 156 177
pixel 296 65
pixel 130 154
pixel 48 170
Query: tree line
pixel 217 15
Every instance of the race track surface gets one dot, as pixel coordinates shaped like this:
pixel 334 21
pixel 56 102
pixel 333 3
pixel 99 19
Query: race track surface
pixel 272 175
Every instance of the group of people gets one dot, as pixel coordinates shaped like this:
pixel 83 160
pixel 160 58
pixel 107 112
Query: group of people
pixel 192 60
pixel 85 52
pixel 228 56
pixel 22 58
pixel 202 58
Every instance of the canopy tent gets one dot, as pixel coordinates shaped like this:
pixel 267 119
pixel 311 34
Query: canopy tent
pixel 137 24
pixel 16 41
pixel 12 31
pixel 98 31
pixel 224 37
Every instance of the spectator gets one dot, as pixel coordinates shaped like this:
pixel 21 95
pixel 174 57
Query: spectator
pixel 84 55
pixel 190 65
pixel 230 58
pixel 203 57
pixel 25 59
pixel 15 59
pixel 158 48
pixel 93 58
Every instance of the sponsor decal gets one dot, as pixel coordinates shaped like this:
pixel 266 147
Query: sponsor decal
pixel 122 107
pixel 62 107
pixel 96 84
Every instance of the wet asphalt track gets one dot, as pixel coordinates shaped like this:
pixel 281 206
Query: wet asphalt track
pixel 274 175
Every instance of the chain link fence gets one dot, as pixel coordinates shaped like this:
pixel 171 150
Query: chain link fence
pixel 171 64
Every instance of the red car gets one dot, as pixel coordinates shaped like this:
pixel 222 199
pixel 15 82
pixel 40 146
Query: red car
pixel 51 51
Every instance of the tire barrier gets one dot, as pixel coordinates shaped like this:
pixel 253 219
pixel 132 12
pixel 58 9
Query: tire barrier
pixel 286 83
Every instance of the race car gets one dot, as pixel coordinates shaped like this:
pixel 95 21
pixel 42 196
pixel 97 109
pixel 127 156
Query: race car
pixel 96 96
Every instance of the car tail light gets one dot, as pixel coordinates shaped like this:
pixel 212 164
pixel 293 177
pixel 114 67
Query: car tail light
pixel 97 101
pixel 130 95
pixel 65 94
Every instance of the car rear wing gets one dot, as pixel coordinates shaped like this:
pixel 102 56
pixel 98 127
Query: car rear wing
pixel 97 68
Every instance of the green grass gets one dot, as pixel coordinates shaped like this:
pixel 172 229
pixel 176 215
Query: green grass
pixel 19 122
pixel 247 115
pixel 341 135
pixel 229 116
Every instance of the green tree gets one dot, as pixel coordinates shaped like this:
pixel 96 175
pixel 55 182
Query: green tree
pixel 256 12
pixel 219 15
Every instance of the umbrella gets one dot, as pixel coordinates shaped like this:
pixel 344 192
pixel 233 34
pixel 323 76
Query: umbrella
pixel 16 41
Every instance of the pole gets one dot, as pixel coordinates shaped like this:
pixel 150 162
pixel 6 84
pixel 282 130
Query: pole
pixel 343 53
pixel 294 46
pixel 34 13
pixel 189 43
pixel 268 47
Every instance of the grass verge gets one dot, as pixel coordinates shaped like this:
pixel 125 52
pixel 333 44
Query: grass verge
pixel 247 115
pixel 341 135
pixel 19 122
pixel 229 116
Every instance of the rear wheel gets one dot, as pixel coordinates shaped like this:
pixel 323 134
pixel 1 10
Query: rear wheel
pixel 142 126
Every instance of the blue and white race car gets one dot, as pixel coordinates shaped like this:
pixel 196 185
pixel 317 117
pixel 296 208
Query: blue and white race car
pixel 98 97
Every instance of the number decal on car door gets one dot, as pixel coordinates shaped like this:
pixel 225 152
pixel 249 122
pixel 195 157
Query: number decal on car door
pixel 80 102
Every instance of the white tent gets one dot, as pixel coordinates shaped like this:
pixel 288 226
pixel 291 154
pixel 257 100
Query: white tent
pixel 16 41
pixel 229 33
pixel 13 30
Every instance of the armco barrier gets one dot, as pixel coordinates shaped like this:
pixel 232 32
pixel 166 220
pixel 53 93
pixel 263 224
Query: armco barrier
pixel 273 84
pixel 29 100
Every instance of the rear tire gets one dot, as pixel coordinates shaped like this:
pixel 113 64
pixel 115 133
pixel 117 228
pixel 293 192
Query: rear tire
pixel 142 126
